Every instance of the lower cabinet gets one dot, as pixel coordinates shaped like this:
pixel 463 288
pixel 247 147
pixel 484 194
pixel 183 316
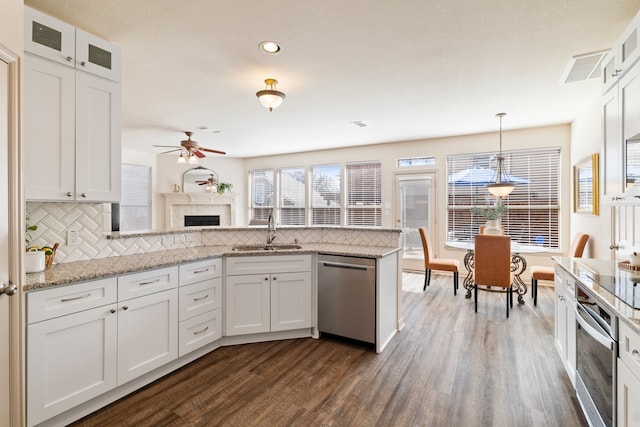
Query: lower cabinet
pixel 628 393
pixel 565 321
pixel 277 300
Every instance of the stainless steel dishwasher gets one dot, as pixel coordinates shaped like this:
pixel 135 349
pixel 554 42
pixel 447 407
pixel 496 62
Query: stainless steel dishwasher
pixel 347 297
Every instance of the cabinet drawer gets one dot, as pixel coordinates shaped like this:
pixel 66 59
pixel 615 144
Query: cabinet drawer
pixel 268 264
pixel 199 298
pixel 629 348
pixel 50 303
pixel 198 271
pixel 147 282
pixel 199 331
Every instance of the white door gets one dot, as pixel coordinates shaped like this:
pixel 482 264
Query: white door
pixel 414 208
pixel 9 373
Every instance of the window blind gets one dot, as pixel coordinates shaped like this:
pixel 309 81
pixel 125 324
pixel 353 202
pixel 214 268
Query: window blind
pixel 135 201
pixel 262 193
pixel 532 216
pixel 325 195
pixel 292 196
pixel 364 195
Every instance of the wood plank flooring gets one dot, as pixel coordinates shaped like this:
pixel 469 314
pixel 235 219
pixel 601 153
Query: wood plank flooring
pixel 449 366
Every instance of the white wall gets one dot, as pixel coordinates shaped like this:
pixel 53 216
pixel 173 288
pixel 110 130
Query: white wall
pixel 586 139
pixel 11 17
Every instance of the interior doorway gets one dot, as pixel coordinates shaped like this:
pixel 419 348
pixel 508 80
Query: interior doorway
pixel 414 208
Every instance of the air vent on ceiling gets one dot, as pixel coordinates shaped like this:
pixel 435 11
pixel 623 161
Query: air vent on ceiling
pixel 583 67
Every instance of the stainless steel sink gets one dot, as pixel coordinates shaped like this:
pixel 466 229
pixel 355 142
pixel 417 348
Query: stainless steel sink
pixel 248 248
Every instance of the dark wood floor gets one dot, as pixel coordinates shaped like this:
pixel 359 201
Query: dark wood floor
pixel 448 367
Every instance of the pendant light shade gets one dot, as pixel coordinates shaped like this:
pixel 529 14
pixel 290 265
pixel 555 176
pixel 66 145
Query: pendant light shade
pixel 502 186
pixel 270 97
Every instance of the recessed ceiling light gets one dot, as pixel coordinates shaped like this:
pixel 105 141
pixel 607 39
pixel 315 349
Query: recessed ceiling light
pixel 270 47
pixel 359 123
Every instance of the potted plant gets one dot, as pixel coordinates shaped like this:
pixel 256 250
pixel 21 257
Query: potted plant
pixel 223 187
pixel 34 260
pixel 492 214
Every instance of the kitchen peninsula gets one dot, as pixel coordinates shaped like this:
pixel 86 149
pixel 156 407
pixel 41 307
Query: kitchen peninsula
pixel 197 298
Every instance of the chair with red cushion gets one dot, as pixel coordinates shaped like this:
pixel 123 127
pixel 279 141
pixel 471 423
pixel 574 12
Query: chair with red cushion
pixel 442 264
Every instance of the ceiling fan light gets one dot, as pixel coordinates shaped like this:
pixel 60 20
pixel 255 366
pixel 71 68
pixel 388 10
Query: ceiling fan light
pixel 269 97
pixel 181 160
pixel 193 160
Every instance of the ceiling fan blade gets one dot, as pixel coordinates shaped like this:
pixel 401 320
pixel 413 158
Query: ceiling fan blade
pixel 171 151
pixel 209 150
pixel 167 146
pixel 197 153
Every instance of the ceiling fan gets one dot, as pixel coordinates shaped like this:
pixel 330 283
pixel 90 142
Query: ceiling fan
pixel 209 182
pixel 191 147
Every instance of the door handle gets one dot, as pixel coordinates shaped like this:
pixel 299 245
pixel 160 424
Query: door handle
pixel 12 289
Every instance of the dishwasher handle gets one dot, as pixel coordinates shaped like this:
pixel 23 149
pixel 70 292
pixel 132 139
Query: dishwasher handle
pixel 342 265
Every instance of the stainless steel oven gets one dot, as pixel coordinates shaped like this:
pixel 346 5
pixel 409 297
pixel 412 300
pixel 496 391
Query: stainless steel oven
pixel 596 352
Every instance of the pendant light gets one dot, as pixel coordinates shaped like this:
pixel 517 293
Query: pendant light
pixel 501 188
pixel 269 97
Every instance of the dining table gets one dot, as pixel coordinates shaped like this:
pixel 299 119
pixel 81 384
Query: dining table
pixel 518 264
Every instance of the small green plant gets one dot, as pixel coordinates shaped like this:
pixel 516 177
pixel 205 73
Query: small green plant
pixel 27 232
pixel 224 187
pixel 490 212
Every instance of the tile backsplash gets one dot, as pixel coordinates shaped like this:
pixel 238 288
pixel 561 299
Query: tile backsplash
pixel 93 223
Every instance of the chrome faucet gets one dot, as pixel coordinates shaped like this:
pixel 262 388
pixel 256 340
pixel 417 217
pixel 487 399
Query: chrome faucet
pixel 271 230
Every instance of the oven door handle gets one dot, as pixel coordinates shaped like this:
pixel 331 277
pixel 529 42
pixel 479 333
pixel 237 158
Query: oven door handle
pixel 591 327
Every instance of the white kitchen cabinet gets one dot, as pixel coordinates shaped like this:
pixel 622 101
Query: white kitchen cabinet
pixel 613 170
pixel 71 346
pixel 565 320
pixel 60 42
pixel 72 134
pixel 628 393
pixel 276 299
pixel 200 304
pixel 147 333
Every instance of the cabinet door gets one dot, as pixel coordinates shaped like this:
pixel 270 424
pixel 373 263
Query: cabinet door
pixel 199 331
pixel 48 37
pixel 613 153
pixel 629 93
pixel 247 304
pixel 98 56
pixel 290 301
pixel 609 71
pixel 70 360
pixel 561 325
pixel 147 333
pixel 628 397
pixel 98 152
pixel 199 298
pixel 49 130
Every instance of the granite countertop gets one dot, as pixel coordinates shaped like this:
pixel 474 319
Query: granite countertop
pixel 590 272
pixel 71 272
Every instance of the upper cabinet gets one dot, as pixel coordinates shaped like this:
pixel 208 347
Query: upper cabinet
pixel 622 56
pixel 60 42
pixel 72 118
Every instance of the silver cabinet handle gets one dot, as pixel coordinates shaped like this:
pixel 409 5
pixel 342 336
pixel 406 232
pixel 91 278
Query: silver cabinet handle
pixel 636 355
pixel 201 298
pixel 614 246
pixel 201 331
pixel 8 290
pixel 75 298
pixel 148 283
pixel 200 271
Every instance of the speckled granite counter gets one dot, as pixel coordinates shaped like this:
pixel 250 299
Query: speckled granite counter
pixel 590 271
pixel 66 273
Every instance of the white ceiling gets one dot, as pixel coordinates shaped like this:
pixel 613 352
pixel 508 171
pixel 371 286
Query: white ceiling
pixel 410 69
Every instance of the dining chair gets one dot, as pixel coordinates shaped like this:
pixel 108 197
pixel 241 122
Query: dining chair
pixel 492 265
pixel 539 272
pixel 442 264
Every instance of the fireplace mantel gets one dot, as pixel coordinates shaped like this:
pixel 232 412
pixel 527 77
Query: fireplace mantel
pixel 179 204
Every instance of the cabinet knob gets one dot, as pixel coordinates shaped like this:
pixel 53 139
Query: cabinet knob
pixel 83 194
pixel 266 278
pixel 82 63
pixel 69 59
pixel 274 278
pixel 125 307
pixel 113 310
pixel 69 194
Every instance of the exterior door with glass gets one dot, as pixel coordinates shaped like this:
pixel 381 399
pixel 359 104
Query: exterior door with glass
pixel 414 209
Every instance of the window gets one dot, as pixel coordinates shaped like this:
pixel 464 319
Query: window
pixel 325 195
pixel 292 196
pixel 364 197
pixel 533 206
pixel 262 192
pixel 134 211
pixel 416 161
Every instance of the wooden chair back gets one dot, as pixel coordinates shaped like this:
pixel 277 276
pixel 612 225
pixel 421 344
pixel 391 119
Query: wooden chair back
pixel 578 244
pixel 426 245
pixel 492 260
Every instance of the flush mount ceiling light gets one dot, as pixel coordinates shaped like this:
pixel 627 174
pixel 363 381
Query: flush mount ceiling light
pixel 502 185
pixel 270 97
pixel 270 47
